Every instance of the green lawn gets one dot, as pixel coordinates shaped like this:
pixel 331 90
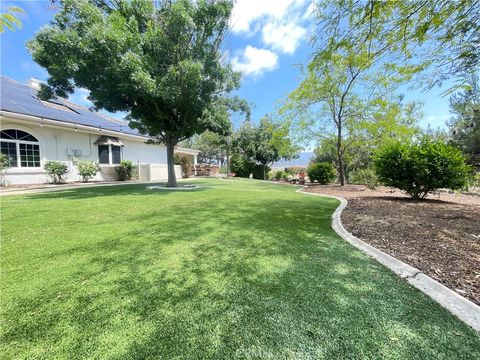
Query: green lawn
pixel 236 269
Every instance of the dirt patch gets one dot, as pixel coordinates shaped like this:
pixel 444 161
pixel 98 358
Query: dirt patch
pixel 440 235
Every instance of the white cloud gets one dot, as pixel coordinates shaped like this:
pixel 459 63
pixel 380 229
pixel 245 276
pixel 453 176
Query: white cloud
pixel 246 12
pixel 280 22
pixel 283 37
pixel 254 61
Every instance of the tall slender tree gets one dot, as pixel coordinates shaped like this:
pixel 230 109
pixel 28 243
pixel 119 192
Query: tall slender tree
pixel 161 62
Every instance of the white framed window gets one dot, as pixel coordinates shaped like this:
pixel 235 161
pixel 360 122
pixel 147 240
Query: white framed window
pixel 109 154
pixel 110 150
pixel 21 148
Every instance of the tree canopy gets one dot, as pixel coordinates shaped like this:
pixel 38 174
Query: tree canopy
pixel 264 143
pixel 160 62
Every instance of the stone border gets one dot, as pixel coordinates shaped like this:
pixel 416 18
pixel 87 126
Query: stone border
pixel 459 306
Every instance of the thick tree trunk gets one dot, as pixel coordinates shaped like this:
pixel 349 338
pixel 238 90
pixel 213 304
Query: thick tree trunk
pixel 172 180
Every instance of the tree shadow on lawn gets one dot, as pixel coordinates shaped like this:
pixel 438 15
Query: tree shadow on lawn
pixel 105 191
pixel 260 282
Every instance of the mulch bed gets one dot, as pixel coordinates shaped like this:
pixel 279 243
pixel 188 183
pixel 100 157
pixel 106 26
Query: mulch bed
pixel 440 236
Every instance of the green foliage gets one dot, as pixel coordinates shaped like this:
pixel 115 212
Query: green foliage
pixel 9 20
pixel 162 62
pixel 243 167
pixel 277 175
pixel 436 39
pixel 4 165
pixel 465 125
pixel 4 162
pixel 265 143
pixel 124 170
pixel 422 167
pixel 366 177
pixel 474 182
pixel 56 170
pixel 212 147
pixel 324 172
pixel 185 161
pixel 87 169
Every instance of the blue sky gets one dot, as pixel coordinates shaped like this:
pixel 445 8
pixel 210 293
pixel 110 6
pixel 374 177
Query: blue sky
pixel 268 39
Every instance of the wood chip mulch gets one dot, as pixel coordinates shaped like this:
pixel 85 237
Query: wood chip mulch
pixel 439 235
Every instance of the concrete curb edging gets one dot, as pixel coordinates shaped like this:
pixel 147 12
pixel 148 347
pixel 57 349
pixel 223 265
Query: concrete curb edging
pixel 464 309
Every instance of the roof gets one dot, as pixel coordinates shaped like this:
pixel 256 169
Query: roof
pixel 19 98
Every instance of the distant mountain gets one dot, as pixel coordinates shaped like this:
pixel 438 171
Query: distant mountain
pixel 302 160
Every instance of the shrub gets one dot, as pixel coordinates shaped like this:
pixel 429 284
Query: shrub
pixel 87 169
pixel 4 165
pixel 186 162
pixel 280 175
pixel 243 167
pixel 323 172
pixel 365 177
pixel 422 167
pixel 56 170
pixel 124 170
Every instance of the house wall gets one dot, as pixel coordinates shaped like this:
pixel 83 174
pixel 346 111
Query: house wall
pixel 55 141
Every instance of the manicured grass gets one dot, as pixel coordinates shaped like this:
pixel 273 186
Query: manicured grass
pixel 236 269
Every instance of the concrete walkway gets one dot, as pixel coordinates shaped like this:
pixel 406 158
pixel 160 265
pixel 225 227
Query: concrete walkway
pixel 464 309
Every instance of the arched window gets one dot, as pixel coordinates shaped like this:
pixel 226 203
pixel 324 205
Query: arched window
pixel 22 148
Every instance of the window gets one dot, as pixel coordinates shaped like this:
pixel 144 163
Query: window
pixel 109 154
pixel 116 154
pixel 21 148
pixel 103 157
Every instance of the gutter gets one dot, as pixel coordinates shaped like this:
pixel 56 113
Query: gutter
pixel 69 126
pixel 82 128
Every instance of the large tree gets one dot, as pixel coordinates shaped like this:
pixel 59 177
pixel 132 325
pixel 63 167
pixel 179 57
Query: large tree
pixel 365 49
pixel 265 142
pixel 161 62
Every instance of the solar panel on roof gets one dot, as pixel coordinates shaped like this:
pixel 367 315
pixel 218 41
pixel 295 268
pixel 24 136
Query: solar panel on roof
pixel 19 98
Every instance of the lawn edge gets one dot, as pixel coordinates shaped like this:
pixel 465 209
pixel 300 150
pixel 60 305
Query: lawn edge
pixel 462 308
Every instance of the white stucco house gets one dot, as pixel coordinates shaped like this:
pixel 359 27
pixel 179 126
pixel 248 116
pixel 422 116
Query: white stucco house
pixel 34 131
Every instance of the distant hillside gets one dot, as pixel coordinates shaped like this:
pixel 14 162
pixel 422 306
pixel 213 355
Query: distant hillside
pixel 302 160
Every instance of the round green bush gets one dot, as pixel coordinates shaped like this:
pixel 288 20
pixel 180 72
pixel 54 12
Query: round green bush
pixel 87 169
pixel 56 170
pixel 419 168
pixel 323 172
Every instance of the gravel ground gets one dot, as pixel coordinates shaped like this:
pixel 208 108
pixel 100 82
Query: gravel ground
pixel 439 235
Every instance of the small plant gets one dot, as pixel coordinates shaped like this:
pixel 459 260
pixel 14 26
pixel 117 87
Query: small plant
pixel 56 170
pixel 279 175
pixel 87 169
pixel 365 177
pixel 323 172
pixel 4 165
pixel 422 167
pixel 124 170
